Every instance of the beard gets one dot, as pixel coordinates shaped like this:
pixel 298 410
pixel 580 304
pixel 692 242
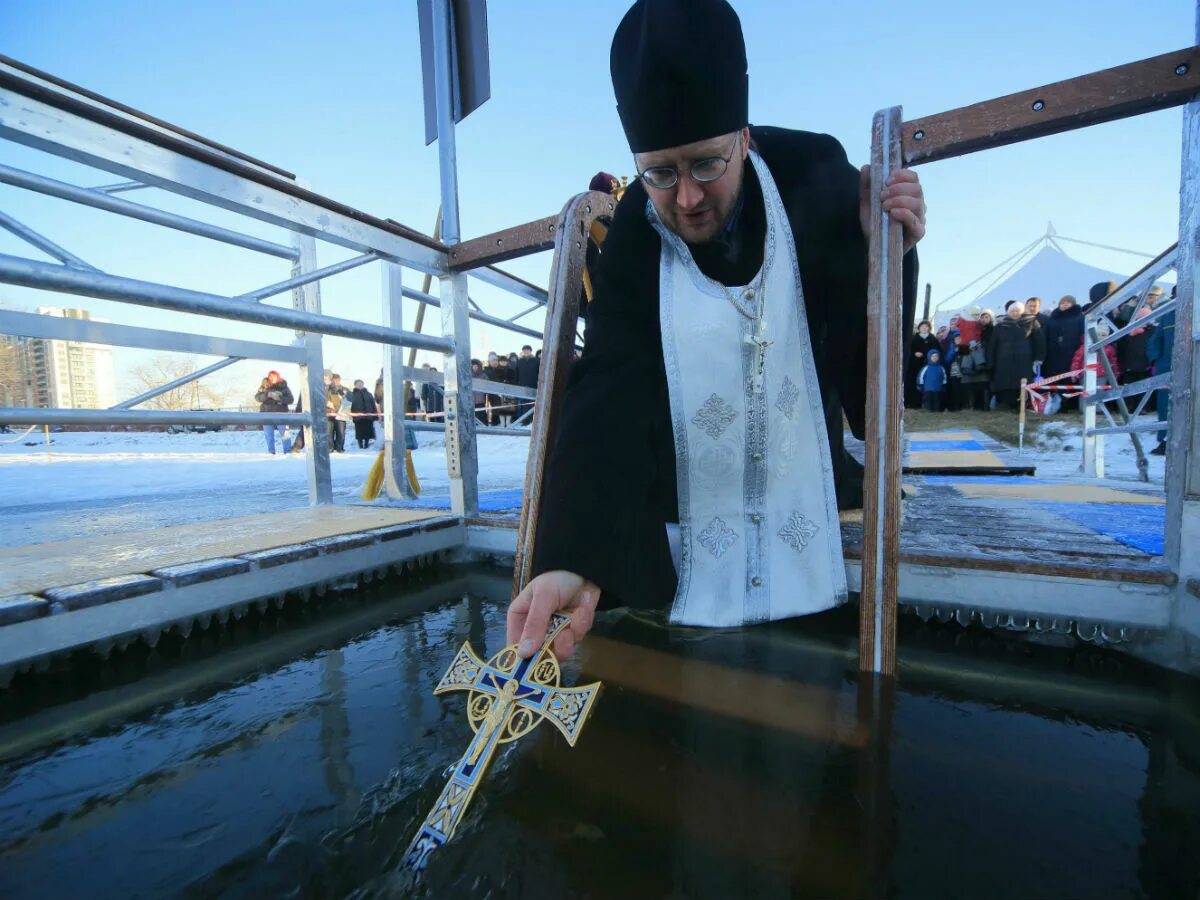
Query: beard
pixel 706 222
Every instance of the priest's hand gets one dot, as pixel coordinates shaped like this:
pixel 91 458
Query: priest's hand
pixel 551 592
pixel 903 199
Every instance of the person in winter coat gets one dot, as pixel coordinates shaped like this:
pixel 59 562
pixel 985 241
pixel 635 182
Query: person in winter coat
pixel 529 369
pixel 274 395
pixel 1033 307
pixel 931 382
pixel 505 374
pixel 920 345
pixel 1102 331
pixel 365 412
pixel 1160 349
pixel 1016 350
pixel 335 398
pixel 1064 334
pixel 479 398
pixel 975 375
pixel 1131 351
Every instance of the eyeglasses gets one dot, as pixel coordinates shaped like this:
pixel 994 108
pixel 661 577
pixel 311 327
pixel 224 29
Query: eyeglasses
pixel 711 168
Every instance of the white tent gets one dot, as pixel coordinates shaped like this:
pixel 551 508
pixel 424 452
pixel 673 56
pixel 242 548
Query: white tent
pixel 1042 269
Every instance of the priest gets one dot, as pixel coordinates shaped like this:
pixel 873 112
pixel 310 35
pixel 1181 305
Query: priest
pixel 730 301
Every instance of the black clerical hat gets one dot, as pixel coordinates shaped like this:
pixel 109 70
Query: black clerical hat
pixel 679 72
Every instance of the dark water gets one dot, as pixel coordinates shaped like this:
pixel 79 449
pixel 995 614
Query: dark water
pixel 294 754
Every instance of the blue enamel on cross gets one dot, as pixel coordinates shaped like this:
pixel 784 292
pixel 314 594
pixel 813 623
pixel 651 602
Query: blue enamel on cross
pixel 509 696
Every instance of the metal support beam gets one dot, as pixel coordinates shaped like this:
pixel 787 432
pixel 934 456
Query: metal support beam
pixel 1131 428
pixel 395 477
pixel 881 485
pixel 1183 441
pixel 499 431
pixel 43 243
pixel 47 276
pixel 26 416
pixel 1130 390
pixel 87 331
pixel 97 199
pixel 413 294
pixel 307 299
pixel 56 123
pixel 1140 87
pixel 282 286
pixel 511 283
pixel 1143 464
pixel 177 383
pixel 462 459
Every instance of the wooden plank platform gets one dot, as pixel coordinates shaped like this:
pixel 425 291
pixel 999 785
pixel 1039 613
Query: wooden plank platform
pixel 37 567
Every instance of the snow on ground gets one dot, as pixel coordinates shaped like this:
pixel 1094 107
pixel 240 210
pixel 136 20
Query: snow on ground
pixel 1055 446
pixel 106 482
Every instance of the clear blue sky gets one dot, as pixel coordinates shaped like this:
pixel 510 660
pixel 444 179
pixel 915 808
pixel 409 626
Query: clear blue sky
pixel 332 92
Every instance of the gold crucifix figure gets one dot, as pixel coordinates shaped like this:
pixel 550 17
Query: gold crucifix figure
pixel 507 698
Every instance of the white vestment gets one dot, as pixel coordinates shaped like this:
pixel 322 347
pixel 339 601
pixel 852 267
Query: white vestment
pixel 758 535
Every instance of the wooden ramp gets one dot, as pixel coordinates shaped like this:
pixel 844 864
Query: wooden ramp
pixel 960 453
pixel 37 567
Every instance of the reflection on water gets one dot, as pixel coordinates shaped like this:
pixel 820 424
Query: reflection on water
pixel 295 754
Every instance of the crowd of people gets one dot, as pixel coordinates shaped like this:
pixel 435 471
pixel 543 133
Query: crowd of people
pixel 426 402
pixel 978 362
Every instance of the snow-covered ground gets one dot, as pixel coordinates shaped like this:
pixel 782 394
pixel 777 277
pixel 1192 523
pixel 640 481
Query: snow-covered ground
pixel 106 482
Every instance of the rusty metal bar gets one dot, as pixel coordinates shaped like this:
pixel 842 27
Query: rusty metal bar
pixel 527 239
pixel 881 483
pixel 562 314
pixel 1159 82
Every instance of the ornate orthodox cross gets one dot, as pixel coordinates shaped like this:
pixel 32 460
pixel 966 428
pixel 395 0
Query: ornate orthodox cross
pixel 760 342
pixel 508 698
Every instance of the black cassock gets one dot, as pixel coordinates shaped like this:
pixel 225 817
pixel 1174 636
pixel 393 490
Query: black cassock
pixel 610 483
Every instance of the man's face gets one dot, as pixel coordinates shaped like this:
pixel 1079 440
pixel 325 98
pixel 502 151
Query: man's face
pixel 1033 307
pixel 336 381
pixel 694 210
pixel 526 353
pixel 358 385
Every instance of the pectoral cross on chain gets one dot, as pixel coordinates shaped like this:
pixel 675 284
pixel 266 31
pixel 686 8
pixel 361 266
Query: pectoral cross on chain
pixel 760 342
pixel 508 698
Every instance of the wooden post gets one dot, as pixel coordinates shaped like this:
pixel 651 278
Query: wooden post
pixel 881 486
pixel 1021 422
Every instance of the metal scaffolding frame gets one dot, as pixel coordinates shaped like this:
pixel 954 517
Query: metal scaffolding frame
pixel 47 113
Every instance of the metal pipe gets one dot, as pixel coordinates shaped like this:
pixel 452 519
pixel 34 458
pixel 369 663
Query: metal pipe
pixel 177 383
pixel 1146 385
pixel 316 275
pixel 34 274
pixel 43 243
pixel 1131 428
pixel 443 63
pixel 35 416
pixel 414 294
pixel 511 283
pixel 441 429
pixel 120 186
pixel 96 198
pixel 1134 324
pixel 1143 464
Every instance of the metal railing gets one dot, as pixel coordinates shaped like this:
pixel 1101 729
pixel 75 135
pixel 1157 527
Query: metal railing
pixel 41 111
pixel 1104 326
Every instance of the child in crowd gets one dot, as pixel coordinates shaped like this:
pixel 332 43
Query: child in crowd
pixel 931 382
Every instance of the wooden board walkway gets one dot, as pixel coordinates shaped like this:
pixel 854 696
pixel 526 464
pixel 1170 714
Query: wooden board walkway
pixel 37 567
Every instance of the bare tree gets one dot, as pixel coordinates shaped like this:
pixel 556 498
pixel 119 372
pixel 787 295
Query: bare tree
pixel 163 370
